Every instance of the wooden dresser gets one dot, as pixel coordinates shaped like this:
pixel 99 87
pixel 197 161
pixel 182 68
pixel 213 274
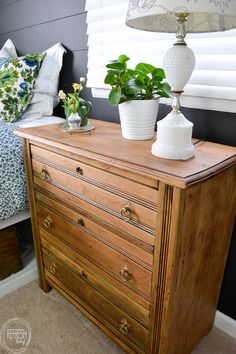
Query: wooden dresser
pixel 135 242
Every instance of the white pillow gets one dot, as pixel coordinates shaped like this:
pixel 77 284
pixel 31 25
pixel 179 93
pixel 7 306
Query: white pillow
pixel 8 50
pixel 45 92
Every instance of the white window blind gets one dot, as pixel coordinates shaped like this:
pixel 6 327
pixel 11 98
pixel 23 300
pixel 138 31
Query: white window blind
pixel 213 82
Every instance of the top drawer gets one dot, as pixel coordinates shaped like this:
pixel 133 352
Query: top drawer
pixel 109 181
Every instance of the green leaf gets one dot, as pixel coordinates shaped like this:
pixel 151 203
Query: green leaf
pixel 132 87
pixel 157 80
pixel 110 79
pixel 130 91
pixel 82 110
pixel 123 58
pixel 131 72
pixel 114 96
pixel 67 110
pixel 164 90
pixel 146 68
pixel 84 121
pixel 135 83
pixel 115 65
pixel 157 72
pixel 126 76
pixel 145 79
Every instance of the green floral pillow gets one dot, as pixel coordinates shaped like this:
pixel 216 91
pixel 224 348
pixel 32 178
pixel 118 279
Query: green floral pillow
pixel 17 77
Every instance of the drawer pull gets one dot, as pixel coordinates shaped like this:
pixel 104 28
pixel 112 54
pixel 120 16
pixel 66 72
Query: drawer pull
pixel 79 170
pixel 44 175
pixel 48 221
pixel 124 327
pixel 53 268
pixel 83 275
pixel 125 274
pixel 81 221
pixel 126 212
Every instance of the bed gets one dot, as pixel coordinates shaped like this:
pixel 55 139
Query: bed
pixel 14 204
pixel 29 271
pixel 38 111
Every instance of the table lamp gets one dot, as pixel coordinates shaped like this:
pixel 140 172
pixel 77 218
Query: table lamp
pixel 174 132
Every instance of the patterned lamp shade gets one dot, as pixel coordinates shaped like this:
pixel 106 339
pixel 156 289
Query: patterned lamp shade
pixel 204 15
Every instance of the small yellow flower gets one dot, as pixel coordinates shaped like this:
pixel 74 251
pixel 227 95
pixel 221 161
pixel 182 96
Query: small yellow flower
pixel 62 95
pixel 70 100
pixel 76 87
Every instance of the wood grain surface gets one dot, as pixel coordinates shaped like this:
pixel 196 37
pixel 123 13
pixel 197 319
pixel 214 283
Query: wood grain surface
pixel 137 243
pixel 106 141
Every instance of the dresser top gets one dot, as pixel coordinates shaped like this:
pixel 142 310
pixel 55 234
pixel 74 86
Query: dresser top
pixel 105 143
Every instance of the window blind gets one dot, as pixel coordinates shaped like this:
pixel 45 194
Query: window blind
pixel 213 82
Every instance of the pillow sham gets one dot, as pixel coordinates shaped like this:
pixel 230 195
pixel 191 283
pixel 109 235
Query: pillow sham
pixel 8 50
pixel 17 77
pixel 45 91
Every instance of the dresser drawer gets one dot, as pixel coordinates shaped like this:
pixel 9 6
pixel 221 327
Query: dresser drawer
pixel 141 234
pixel 87 243
pixel 126 299
pixel 102 178
pixel 107 200
pixel 79 288
pixel 112 236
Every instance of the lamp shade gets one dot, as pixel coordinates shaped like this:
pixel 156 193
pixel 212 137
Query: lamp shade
pixel 204 15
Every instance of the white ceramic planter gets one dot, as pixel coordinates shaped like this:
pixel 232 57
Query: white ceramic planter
pixel 138 118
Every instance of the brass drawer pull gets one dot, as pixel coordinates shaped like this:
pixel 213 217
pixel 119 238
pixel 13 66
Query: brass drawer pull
pixel 44 175
pixel 48 221
pixel 125 274
pixel 83 275
pixel 126 212
pixel 79 170
pixel 81 221
pixel 124 326
pixel 53 268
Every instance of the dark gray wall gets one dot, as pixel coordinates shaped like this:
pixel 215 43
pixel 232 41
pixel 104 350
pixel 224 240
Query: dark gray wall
pixel 36 25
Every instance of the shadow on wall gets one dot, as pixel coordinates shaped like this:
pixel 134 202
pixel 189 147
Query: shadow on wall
pixel 219 127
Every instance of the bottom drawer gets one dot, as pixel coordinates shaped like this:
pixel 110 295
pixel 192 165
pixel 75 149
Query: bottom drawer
pixel 125 327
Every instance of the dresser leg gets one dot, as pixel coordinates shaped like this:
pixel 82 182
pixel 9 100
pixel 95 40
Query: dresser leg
pixel 43 283
pixel 45 287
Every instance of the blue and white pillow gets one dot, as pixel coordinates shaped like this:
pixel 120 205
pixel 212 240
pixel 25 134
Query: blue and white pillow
pixel 17 77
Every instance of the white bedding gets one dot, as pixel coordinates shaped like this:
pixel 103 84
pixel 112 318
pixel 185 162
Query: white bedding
pixel 41 121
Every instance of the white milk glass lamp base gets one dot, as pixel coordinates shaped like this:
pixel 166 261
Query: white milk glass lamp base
pixel 174 138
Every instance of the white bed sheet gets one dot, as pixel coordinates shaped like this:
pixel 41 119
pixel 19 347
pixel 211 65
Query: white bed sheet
pixel 41 121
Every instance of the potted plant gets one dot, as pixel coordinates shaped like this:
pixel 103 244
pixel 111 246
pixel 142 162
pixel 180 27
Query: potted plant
pixel 136 92
pixel 76 108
